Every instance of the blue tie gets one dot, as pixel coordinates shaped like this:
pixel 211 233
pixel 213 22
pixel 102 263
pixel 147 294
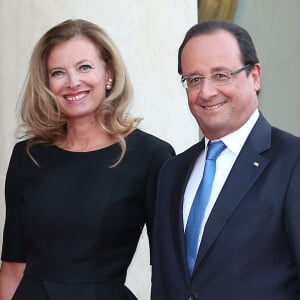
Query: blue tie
pixel 196 214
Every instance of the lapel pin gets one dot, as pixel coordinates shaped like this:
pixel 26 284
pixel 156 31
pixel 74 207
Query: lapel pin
pixel 256 164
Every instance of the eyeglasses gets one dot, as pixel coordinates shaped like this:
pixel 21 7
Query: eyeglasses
pixel 218 78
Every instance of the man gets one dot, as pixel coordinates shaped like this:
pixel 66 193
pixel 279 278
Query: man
pixel 248 239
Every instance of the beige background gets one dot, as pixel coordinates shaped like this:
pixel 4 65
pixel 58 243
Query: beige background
pixel 148 34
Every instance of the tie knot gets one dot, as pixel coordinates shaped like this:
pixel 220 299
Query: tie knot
pixel 214 150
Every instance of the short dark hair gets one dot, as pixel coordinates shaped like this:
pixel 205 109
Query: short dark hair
pixel 246 45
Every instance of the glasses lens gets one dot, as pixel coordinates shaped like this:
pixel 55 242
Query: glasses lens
pixel 220 78
pixel 184 82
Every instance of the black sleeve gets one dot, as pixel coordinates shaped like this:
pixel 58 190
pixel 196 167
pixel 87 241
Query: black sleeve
pixel 161 153
pixel 13 247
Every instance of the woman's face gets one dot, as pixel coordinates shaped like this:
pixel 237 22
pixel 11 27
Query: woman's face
pixel 77 77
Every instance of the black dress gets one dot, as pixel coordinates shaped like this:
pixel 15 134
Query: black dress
pixel 75 221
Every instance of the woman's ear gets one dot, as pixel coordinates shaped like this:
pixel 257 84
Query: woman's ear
pixel 109 84
pixel 109 80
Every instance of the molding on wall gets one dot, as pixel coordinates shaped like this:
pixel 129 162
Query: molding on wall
pixel 216 9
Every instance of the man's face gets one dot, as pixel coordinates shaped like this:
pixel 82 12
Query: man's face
pixel 219 110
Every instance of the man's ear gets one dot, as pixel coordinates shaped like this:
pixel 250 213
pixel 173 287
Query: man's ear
pixel 255 75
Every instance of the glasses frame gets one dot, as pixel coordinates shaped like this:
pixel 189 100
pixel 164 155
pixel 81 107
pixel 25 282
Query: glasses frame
pixel 209 77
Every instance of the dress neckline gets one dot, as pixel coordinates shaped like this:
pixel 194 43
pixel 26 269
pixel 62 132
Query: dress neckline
pixel 110 146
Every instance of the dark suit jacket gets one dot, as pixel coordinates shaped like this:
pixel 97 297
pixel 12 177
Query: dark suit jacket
pixel 250 249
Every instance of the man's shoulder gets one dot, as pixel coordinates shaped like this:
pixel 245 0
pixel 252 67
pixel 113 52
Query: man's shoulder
pixel 183 160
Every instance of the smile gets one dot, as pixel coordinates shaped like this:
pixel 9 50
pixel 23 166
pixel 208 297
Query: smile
pixel 213 106
pixel 77 97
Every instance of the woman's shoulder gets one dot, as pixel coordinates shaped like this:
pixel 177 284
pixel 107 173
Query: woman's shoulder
pixel 21 143
pixel 148 147
pixel 20 147
pixel 146 139
pixel 30 153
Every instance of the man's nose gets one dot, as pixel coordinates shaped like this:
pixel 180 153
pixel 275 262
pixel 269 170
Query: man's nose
pixel 207 89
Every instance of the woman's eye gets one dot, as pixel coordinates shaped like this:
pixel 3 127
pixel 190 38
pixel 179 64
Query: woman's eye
pixel 57 74
pixel 85 68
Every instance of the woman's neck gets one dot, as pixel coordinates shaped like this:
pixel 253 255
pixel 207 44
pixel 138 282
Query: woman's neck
pixel 85 136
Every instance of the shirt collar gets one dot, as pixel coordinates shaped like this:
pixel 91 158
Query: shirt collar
pixel 235 140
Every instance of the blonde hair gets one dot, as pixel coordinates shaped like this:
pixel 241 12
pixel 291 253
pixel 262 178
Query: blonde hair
pixel 42 119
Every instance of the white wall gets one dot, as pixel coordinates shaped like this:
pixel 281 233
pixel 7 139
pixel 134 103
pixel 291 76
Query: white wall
pixel 147 33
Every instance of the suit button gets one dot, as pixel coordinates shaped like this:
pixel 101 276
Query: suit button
pixel 193 296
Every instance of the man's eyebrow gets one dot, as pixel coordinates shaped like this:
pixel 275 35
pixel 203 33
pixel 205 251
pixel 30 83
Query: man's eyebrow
pixel 215 69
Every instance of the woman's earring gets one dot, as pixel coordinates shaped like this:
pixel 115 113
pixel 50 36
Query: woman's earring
pixel 108 86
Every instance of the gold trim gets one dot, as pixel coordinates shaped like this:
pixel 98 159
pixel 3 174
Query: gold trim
pixel 216 10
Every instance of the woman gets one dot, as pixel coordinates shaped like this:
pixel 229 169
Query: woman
pixel 81 185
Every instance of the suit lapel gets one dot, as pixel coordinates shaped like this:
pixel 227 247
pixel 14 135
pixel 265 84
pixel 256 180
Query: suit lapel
pixel 246 170
pixel 183 171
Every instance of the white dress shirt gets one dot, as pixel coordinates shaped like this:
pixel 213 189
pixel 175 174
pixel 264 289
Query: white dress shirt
pixel 234 143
